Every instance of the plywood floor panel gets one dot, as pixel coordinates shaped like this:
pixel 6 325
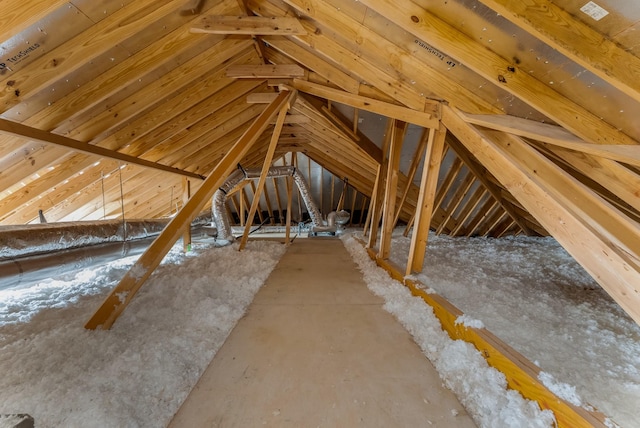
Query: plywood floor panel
pixel 316 349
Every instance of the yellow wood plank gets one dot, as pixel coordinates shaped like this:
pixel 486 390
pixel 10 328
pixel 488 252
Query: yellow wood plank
pixel 411 173
pixel 617 179
pixel 555 135
pixel 80 50
pixel 17 15
pixel 482 174
pixel 263 174
pixel 404 114
pixel 521 374
pixel 261 97
pixel 576 40
pixel 120 297
pixel 377 199
pixel 603 241
pixel 355 66
pixel 378 59
pixel 314 62
pixel 425 207
pixel 22 131
pixel 490 65
pixel 248 25
pixel 271 71
pixel 391 188
pixel 186 194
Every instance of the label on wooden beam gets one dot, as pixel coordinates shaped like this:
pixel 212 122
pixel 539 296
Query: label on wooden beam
pixel 595 11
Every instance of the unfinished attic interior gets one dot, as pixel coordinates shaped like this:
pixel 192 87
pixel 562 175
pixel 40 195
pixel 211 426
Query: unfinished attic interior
pixel 423 126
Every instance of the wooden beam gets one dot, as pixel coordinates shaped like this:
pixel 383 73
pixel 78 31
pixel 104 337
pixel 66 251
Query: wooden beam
pixel 19 130
pixel 363 142
pixel 554 135
pixel 391 188
pixel 455 201
pixel 287 234
pixel 576 40
pixel 18 15
pixel 617 179
pixel 413 168
pixel 121 296
pixel 186 194
pixel 426 199
pixel 469 207
pixel 443 36
pixel 604 242
pixel 404 114
pixel 482 174
pixel 248 25
pixel 376 209
pixel 124 23
pixel 315 62
pixel 271 71
pixel 263 174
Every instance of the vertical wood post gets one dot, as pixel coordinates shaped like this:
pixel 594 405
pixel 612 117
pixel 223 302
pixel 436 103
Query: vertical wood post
pixel 432 161
pixel 391 188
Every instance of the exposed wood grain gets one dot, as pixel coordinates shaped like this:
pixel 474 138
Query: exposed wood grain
pixel 576 40
pixel 248 25
pixel 404 114
pixel 490 65
pixel 113 305
pixel 27 132
pixel 426 206
pixel 274 71
pixel 597 236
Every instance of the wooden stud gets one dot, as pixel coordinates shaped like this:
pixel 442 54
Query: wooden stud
pixel 263 175
pixel 248 25
pixel 421 118
pixel 391 188
pixel 413 167
pixel 554 135
pixel 376 209
pixel 120 297
pixel 271 71
pixel 425 207
pixel 288 221
pixel 19 130
pixel 186 194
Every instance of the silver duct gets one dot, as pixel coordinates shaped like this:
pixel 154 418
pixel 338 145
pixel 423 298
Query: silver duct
pixel 220 219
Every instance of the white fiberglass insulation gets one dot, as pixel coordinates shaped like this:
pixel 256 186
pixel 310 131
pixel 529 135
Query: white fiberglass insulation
pixel 138 373
pixel 527 291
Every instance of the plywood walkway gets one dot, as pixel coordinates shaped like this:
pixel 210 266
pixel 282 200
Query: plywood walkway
pixel 316 349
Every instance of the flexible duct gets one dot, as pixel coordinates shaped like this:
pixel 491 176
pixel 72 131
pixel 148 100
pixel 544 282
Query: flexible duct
pixel 220 218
